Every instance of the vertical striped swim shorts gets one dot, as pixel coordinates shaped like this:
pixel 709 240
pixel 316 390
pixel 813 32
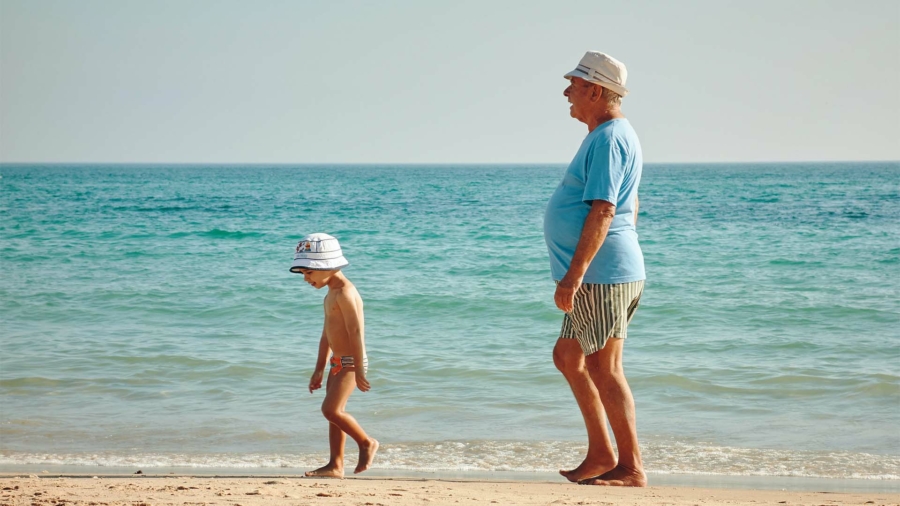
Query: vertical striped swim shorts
pixel 601 312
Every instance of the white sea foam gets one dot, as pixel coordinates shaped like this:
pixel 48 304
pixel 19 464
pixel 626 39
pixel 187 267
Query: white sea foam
pixel 510 456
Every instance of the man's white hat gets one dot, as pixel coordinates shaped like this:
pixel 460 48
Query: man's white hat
pixel 318 252
pixel 603 69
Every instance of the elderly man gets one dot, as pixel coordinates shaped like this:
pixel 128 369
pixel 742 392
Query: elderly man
pixel 597 263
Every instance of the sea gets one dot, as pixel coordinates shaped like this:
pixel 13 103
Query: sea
pixel 148 319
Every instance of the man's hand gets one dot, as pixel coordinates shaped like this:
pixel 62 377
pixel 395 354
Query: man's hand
pixel 315 382
pixel 361 382
pixel 565 293
pixel 596 226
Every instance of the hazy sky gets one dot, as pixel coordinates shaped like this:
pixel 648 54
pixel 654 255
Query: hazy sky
pixel 442 82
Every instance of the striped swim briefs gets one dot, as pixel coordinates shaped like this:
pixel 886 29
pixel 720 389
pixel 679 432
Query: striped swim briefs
pixel 601 312
pixel 346 361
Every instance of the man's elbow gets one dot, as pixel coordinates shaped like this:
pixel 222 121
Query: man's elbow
pixel 603 208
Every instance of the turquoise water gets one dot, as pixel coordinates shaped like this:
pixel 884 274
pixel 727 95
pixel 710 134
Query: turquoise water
pixel 148 317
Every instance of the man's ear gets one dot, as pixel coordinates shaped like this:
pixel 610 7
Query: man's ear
pixel 596 93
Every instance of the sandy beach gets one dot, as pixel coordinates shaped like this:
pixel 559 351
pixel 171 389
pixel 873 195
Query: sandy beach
pixel 37 490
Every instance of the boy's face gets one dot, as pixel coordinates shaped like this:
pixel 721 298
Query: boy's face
pixel 317 279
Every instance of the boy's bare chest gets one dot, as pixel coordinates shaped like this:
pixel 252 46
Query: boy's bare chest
pixel 331 307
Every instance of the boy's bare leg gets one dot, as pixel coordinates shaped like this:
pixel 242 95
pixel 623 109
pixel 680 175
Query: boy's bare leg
pixel 601 458
pixel 366 456
pixel 333 409
pixel 336 440
pixel 335 466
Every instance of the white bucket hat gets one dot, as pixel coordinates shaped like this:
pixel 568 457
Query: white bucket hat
pixel 603 69
pixel 318 252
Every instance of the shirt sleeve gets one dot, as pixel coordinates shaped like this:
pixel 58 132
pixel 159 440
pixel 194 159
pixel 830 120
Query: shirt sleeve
pixel 605 172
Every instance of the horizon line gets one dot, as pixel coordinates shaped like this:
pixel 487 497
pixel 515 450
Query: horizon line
pixel 379 164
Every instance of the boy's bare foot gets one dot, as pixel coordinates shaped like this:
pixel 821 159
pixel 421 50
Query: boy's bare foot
pixel 366 456
pixel 588 469
pixel 619 477
pixel 327 471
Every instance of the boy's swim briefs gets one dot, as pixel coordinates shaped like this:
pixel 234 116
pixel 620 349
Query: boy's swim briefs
pixel 338 363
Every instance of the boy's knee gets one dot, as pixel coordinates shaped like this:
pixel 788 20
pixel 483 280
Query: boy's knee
pixel 330 413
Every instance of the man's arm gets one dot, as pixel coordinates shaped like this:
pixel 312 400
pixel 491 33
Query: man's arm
pixel 637 207
pixel 351 311
pixel 596 226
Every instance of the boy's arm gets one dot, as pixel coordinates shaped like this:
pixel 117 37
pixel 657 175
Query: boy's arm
pixel 324 350
pixel 352 314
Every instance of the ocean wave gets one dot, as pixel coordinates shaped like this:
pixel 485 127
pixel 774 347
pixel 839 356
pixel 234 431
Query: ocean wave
pixel 513 456
pixel 217 233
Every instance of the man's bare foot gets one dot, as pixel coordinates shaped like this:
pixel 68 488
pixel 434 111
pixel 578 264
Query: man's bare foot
pixel 366 456
pixel 619 477
pixel 588 469
pixel 327 471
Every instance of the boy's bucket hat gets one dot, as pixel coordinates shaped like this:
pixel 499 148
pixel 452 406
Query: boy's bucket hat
pixel 318 252
pixel 603 69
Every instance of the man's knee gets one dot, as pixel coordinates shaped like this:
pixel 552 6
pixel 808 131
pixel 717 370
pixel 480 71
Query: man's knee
pixel 567 356
pixel 597 370
pixel 604 366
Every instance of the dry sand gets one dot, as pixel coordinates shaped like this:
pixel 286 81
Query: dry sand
pixel 258 491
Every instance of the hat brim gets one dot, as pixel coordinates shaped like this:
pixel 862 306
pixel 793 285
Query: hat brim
pixel 334 264
pixel 621 90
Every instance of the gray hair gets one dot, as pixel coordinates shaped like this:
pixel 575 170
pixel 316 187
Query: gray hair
pixel 612 98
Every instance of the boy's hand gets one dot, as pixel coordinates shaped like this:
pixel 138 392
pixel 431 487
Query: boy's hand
pixel 315 382
pixel 362 383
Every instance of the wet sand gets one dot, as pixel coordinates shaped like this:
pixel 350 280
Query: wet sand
pixel 36 490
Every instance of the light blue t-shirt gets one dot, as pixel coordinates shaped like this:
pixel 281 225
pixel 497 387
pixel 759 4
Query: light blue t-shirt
pixel 606 167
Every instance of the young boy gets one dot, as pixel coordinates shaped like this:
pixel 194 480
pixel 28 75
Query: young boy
pixel 319 258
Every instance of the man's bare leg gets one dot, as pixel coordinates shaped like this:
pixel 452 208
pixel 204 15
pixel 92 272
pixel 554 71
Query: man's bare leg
pixel 601 458
pixel 333 409
pixel 605 368
pixel 336 440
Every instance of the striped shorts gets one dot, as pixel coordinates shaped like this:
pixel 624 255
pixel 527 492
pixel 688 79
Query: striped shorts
pixel 601 312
